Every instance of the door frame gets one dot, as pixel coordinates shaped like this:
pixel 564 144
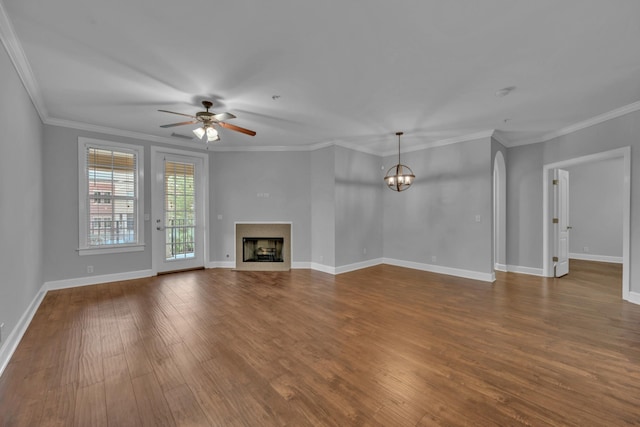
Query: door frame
pixel 499 213
pixel 547 238
pixel 561 211
pixel 204 194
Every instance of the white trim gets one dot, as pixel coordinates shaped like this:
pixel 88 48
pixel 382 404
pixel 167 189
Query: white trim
pixel 358 265
pixel 21 63
pixel 221 264
pixel 594 257
pixel 323 268
pixel 625 153
pixel 634 297
pixel 13 339
pixel 502 139
pixel 123 133
pixel 83 144
pixel 501 267
pixel 458 272
pixel 94 280
pixel 525 270
pixel 442 142
pixel 204 184
pixel 609 115
pixel 110 249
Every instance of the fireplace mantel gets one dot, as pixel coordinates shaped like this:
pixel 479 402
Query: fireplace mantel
pixel 265 230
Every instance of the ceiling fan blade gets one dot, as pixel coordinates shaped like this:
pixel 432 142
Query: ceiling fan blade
pixel 181 114
pixel 223 116
pixel 179 124
pixel 237 128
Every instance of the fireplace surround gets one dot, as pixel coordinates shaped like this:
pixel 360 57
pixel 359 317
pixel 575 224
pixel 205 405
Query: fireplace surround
pixel 264 246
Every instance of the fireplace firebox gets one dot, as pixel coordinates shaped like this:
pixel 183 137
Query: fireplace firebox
pixel 262 249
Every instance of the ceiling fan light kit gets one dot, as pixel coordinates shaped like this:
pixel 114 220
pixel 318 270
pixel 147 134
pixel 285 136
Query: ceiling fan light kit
pixel 208 120
pixel 399 177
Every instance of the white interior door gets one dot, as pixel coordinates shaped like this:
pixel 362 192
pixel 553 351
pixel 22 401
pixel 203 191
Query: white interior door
pixel 178 214
pixel 561 221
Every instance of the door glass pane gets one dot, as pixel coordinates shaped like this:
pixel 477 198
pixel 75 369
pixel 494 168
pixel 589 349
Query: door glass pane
pixel 179 210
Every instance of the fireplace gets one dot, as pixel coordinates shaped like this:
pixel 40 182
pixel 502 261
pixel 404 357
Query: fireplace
pixel 263 246
pixel 262 249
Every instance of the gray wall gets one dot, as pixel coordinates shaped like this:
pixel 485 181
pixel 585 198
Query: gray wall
pixel 524 206
pixel 21 208
pixel 595 207
pixel 524 175
pixel 359 190
pixel 60 169
pixel 323 207
pixel 436 216
pixel 236 181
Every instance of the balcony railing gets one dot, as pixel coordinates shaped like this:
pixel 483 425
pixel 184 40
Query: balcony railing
pixel 110 232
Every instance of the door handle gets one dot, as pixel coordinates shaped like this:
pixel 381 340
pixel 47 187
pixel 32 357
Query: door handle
pixel 569 227
pixel 159 228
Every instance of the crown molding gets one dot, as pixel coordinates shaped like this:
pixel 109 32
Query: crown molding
pixel 443 142
pixel 498 136
pixel 609 115
pixel 119 132
pixel 618 112
pixel 20 62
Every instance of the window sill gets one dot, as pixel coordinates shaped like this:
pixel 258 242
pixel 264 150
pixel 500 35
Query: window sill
pixel 110 250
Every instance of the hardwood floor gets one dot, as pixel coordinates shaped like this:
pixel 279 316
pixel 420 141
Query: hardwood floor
pixel 384 346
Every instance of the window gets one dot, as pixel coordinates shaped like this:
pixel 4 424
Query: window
pixel 110 197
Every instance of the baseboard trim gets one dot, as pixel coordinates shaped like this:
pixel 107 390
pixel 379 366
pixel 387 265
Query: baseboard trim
pixel 634 297
pixel 501 267
pixel 13 339
pixel 525 270
pixel 449 271
pixel 94 280
pixel 322 268
pixel 221 264
pixel 598 258
pixel 358 266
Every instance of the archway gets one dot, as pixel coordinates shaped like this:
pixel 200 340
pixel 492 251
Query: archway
pixel 499 213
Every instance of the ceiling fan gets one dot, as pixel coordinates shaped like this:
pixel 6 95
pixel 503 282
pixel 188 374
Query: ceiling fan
pixel 209 120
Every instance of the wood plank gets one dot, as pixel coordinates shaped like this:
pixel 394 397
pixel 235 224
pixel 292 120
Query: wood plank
pixel 151 402
pixel 90 407
pixel 380 346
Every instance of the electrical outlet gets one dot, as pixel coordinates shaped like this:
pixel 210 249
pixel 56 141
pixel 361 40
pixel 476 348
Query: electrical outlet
pixel 364 251
pixel 478 218
pixel 89 269
pixel 433 259
pixel 585 249
pixel 1 331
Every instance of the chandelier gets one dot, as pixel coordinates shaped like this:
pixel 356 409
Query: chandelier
pixel 399 177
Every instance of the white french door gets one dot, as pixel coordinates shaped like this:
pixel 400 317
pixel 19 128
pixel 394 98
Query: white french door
pixel 178 220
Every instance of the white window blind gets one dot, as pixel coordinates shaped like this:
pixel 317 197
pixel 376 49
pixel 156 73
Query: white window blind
pixel 110 200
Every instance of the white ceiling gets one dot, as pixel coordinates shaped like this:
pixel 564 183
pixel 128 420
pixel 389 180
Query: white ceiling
pixel 345 72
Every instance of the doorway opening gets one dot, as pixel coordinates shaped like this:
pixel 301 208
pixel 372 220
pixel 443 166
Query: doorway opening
pixel 179 212
pixel 547 203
